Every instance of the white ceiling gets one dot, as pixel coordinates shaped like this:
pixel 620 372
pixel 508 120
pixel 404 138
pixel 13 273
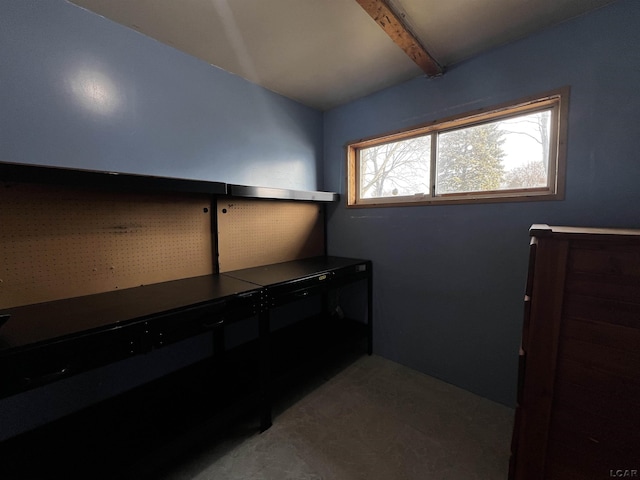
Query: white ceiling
pixel 324 53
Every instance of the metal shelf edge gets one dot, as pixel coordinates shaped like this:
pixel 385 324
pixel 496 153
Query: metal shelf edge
pixel 281 193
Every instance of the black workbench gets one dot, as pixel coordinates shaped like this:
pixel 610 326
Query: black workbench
pixel 288 282
pixel 46 342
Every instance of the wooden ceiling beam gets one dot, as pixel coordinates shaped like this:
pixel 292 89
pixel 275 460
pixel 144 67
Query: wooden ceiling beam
pixel 384 16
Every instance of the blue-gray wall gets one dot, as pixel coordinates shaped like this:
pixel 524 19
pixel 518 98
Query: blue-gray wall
pixel 78 90
pixel 449 279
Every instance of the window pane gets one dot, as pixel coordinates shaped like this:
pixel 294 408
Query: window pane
pixel 526 147
pixel 470 159
pixel 501 155
pixel 395 169
pixel 511 152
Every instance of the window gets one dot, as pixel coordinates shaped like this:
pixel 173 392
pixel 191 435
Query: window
pixel 512 152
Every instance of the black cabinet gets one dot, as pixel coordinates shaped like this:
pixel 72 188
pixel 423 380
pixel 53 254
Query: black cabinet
pixel 305 337
pixel 49 341
pixel 46 342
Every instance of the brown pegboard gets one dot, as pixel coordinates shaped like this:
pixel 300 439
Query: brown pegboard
pixel 254 232
pixel 59 242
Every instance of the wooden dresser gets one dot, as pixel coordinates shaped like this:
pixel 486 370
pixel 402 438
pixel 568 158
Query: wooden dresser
pixel 578 412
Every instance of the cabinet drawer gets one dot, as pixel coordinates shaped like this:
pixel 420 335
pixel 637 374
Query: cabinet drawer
pixel 44 364
pixel 194 321
pixel 284 296
pixel 351 274
pixel 315 284
pixel 181 325
pixel 309 281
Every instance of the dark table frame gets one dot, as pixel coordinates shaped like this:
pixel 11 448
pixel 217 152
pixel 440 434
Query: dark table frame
pixel 288 282
pixel 43 343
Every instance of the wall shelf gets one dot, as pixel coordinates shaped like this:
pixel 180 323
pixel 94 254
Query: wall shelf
pixel 281 194
pixel 117 181
pixel 114 181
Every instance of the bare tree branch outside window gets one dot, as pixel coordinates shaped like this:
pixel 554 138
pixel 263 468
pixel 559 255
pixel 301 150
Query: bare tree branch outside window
pixel 502 153
pixel 397 168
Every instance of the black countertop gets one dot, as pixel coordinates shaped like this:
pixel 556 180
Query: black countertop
pixel 294 271
pixel 48 321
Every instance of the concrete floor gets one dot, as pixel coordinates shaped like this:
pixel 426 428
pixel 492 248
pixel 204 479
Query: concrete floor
pixel 372 420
